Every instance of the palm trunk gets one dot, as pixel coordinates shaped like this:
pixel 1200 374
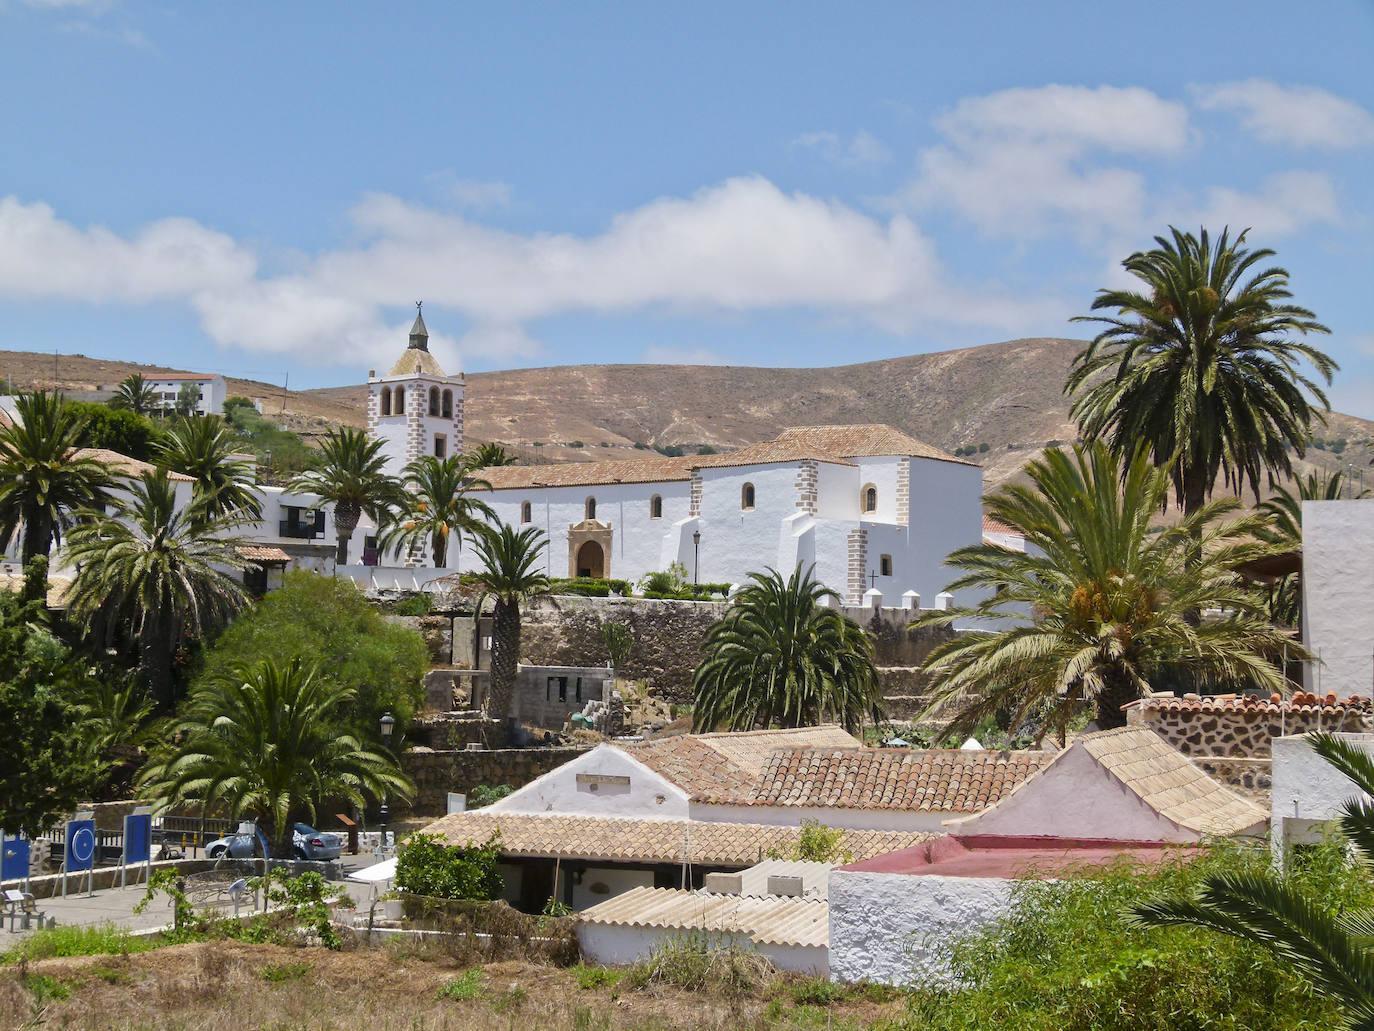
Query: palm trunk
pixel 1117 692
pixel 37 534
pixel 155 657
pixel 505 654
pixel 346 516
pixel 438 548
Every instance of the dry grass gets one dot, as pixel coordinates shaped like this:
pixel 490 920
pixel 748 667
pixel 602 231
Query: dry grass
pixel 232 986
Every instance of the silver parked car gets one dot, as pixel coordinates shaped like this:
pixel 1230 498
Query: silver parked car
pixel 233 846
pixel 308 843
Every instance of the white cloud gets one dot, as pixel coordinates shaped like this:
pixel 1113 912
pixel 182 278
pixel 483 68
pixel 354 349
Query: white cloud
pixel 742 245
pixel 1284 204
pixel 1298 116
pixel 862 150
pixel 474 194
pixel 661 355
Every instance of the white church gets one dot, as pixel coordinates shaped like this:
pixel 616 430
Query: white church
pixel 874 510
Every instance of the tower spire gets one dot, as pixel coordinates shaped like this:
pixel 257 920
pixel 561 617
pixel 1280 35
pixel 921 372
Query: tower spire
pixel 419 335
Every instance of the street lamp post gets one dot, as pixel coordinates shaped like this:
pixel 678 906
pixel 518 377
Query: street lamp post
pixel 388 724
pixel 696 557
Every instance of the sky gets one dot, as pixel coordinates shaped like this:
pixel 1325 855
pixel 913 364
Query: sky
pixel 265 189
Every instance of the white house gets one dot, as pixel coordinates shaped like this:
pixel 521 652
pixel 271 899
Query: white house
pixel 211 389
pixel 1338 596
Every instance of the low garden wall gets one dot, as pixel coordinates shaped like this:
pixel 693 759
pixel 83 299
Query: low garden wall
pixel 436 773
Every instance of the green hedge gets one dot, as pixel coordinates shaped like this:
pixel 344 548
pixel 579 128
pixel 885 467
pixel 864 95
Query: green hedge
pixel 589 587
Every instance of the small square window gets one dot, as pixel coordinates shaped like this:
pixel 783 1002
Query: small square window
pixel 885 565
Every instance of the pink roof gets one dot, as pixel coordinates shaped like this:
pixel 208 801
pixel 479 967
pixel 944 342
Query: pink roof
pixel 1003 856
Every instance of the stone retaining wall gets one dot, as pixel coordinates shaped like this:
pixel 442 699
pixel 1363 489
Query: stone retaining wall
pixel 436 773
pixel 1250 777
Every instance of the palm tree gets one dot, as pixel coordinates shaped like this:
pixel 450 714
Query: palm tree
pixel 204 449
pixel 489 456
pixel 136 394
pixel 43 479
pixel 157 570
pixel 780 656
pixel 1282 528
pixel 267 741
pixel 1202 365
pixel 352 475
pixel 509 576
pixel 438 506
pixel 1110 599
pixel 1332 951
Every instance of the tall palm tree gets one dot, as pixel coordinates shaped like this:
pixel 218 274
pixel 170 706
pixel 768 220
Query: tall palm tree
pixel 509 575
pixel 352 476
pixel 1203 365
pixel 490 455
pixel 780 656
pixel 158 570
pixel 1331 950
pixel 136 394
pixel 43 481
pixel 1100 603
pixel 439 505
pixel 1282 528
pixel 268 741
pixel 204 449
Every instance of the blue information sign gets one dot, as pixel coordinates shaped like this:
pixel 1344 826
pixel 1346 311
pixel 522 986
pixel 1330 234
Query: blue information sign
pixel 14 859
pixel 138 838
pixel 79 847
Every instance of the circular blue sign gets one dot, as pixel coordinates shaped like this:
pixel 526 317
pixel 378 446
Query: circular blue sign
pixel 83 845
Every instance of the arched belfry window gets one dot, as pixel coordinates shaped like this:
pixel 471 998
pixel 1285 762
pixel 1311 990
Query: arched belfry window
pixel 590 508
pixel 526 512
pixel 656 507
pixel 746 497
pixel 386 400
pixel 447 410
pixel 399 406
pixel 869 499
pixel 434 401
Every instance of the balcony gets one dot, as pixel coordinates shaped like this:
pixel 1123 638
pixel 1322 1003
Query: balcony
pixel 299 531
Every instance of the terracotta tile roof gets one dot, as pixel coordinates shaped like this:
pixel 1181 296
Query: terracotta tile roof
pixel 1166 781
pixel 1231 704
pixel 607 839
pixel 123 465
pixel 768 452
pixel 991 525
pixel 261 553
pixel 931 780
pixel 766 921
pixel 589 474
pixel 864 440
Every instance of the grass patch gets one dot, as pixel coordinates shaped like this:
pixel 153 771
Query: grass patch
pixel 282 973
pixel 690 962
pixel 510 1000
pixel 817 991
pixel 111 975
pixel 55 942
pixel 467 985
pixel 590 978
pixel 45 989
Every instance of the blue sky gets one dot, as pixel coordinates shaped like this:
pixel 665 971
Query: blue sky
pixel 265 189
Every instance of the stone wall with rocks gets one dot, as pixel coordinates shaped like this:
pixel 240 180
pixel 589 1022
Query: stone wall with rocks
pixel 436 773
pixel 1224 727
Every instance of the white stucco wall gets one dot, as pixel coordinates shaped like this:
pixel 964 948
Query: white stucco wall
pixel 886 928
pixel 882 473
pixel 1075 798
pixel 735 542
pixel 646 796
pixel 946 513
pixel 1338 595
pixel 792 816
pixel 616 880
pixel 621 946
pixel 1307 790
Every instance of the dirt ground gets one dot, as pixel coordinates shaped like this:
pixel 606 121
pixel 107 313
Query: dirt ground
pixel 231 986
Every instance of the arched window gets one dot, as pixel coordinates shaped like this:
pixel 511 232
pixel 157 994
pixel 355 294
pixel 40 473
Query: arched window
pixel 526 512
pixel 869 499
pixel 399 405
pixel 656 507
pixel 386 400
pixel 746 497
pixel 590 509
pixel 433 400
pixel 447 409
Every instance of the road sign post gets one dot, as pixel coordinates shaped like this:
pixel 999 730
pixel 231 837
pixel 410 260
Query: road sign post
pixel 78 850
pixel 138 842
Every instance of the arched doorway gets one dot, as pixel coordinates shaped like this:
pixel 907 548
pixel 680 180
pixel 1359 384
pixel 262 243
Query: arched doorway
pixel 591 560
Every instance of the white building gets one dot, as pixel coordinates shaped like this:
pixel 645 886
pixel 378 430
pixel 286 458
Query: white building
pixel 1338 596
pixel 416 408
pixel 211 389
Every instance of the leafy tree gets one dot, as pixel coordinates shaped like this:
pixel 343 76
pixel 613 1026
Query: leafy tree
pixel 781 656
pixel 266 741
pixel 509 576
pixel 438 505
pixel 188 400
pixel 156 569
pixel 816 843
pixel 427 866
pixel 489 456
pixel 352 476
pixel 329 625
pixel 1110 598
pixel 280 452
pixel 1283 529
pixel 117 430
pixel 1305 930
pixel 135 394
pixel 1202 365
pixel 619 640
pixel 204 449
pixel 45 766
pixel 42 482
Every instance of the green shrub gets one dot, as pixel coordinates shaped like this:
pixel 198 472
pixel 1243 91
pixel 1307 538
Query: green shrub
pixel 45 989
pixel 583 586
pixel 413 605
pixel 693 963
pixel 1069 955
pixel 485 794
pixel 817 991
pixel 119 430
pixel 815 844
pixel 467 985
pixel 426 866
pixel 589 978
pixel 281 973
pixel 94 940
